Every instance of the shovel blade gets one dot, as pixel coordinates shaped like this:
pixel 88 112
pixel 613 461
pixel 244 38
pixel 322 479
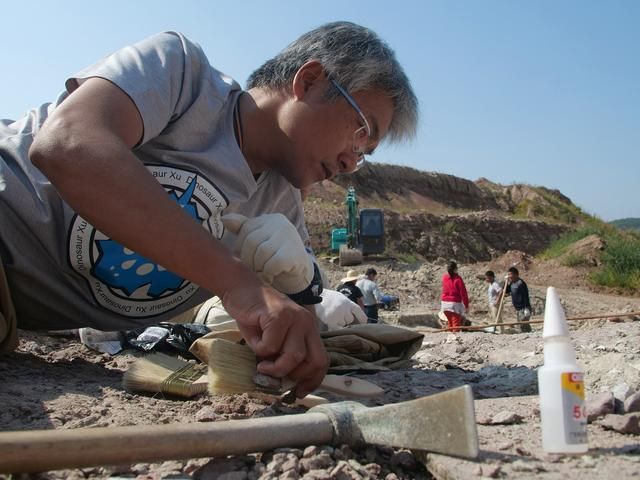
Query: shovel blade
pixel 441 423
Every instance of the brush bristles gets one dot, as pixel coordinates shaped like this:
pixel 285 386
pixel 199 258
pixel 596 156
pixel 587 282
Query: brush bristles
pixel 159 373
pixel 231 368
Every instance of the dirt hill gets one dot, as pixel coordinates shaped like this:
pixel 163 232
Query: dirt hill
pixel 431 215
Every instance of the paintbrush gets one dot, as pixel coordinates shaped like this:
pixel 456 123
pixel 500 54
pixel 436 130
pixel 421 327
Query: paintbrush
pixel 232 369
pixel 160 373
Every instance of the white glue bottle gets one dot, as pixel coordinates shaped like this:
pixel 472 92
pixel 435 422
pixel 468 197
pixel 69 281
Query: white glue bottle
pixel 561 385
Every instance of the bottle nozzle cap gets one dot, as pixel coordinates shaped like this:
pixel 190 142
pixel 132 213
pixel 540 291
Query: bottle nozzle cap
pixel 555 321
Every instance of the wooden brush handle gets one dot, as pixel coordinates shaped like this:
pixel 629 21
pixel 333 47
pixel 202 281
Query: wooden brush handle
pixel 350 386
pixel 340 384
pixel 39 451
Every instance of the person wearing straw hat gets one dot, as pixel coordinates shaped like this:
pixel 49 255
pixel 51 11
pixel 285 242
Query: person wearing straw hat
pixel 349 288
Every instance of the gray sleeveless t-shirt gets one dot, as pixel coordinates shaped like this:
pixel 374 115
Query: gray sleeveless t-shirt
pixel 64 273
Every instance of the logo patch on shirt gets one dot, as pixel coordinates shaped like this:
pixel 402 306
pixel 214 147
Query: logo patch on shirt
pixel 127 283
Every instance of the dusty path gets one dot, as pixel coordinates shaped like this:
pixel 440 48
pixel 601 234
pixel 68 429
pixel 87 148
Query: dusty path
pixel 56 382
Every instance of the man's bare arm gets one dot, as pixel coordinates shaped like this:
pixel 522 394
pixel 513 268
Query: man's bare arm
pixel 84 149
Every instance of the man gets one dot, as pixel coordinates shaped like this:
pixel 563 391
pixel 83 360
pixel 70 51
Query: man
pixel 349 288
pixel 372 297
pixel 520 298
pixel 111 198
pixel 494 293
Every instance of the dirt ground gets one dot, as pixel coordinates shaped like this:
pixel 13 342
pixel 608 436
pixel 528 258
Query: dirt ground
pixel 55 382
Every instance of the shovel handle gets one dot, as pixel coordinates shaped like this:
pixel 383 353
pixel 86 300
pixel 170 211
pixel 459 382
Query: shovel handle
pixel 38 451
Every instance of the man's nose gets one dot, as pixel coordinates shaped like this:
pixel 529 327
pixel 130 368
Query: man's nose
pixel 348 162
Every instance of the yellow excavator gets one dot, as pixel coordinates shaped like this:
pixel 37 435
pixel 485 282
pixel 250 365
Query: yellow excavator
pixel 364 234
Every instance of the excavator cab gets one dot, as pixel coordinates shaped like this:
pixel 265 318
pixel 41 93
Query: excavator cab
pixel 364 234
pixel 371 231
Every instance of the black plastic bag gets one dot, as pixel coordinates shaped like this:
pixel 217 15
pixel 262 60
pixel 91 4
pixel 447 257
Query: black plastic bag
pixel 167 337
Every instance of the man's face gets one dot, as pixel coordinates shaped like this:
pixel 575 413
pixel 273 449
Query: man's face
pixel 488 279
pixel 512 277
pixel 321 133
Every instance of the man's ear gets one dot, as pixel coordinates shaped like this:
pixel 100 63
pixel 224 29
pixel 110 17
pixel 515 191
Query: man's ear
pixel 308 76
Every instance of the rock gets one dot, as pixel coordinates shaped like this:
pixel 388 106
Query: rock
pixel 629 423
pixel 622 391
pixel 483 420
pixel 506 417
pixel 289 475
pixel 587 461
pixel 220 466
pixel 275 465
pixel 295 451
pixel 343 471
pixel 139 468
pixel 404 459
pixel 357 466
pixel 371 454
pixel 524 466
pixel 317 475
pixel 600 405
pixel 373 469
pixel 632 403
pixel 343 452
pixel 207 414
pixel 311 451
pixel 317 462
pixel 328 449
pixel 504 445
pixel 491 470
pixel 291 463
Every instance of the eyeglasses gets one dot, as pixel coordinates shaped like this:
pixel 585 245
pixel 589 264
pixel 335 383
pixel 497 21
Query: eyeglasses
pixel 362 134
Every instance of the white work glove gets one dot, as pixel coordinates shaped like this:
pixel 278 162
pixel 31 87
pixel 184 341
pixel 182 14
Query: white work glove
pixel 271 246
pixel 337 311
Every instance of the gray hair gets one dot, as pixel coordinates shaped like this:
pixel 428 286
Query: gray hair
pixel 357 59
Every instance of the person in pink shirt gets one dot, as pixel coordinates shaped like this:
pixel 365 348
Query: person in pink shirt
pixel 454 298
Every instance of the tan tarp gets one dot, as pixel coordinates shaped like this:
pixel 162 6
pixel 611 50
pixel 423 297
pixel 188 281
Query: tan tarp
pixel 368 347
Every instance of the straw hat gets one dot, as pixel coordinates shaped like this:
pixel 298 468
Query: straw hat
pixel 351 276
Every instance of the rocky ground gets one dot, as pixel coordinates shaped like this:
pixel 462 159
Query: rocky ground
pixel 55 382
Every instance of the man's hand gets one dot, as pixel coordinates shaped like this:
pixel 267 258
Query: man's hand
pixel 271 246
pixel 337 311
pixel 281 332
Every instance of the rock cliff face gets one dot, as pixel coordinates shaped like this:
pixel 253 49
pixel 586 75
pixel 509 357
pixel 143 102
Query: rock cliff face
pixel 390 181
pixel 430 215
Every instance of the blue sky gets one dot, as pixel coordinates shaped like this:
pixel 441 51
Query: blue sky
pixel 544 93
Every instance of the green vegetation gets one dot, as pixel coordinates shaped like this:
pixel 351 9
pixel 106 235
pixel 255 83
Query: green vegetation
pixel 627 223
pixel 621 263
pixel 448 228
pixel 407 258
pixel 574 260
pixel 550 206
pixel 559 246
pixel 620 259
